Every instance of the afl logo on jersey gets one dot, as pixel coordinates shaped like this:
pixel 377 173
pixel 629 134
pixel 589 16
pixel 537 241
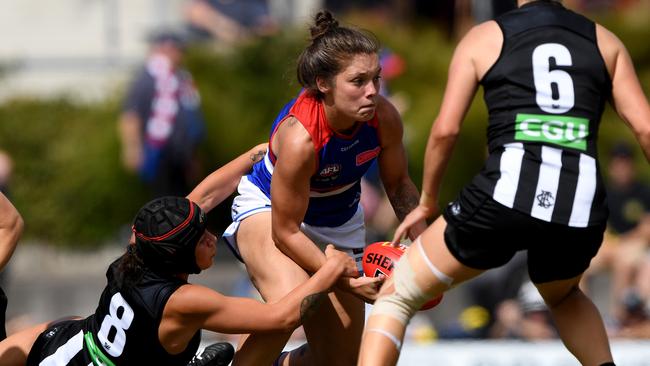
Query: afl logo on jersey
pixel 330 170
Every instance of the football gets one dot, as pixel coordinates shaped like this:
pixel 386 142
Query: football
pixel 380 258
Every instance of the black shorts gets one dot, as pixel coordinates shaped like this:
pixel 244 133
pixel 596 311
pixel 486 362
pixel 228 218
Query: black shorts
pixel 3 311
pixel 61 335
pixel 482 233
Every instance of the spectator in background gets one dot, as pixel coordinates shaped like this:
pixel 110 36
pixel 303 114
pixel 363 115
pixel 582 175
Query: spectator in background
pixel 627 239
pixel 161 123
pixel 525 317
pixel 11 227
pixel 229 21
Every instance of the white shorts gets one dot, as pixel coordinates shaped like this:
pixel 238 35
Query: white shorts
pixel 349 237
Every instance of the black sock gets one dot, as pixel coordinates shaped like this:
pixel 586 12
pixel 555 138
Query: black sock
pixel 608 364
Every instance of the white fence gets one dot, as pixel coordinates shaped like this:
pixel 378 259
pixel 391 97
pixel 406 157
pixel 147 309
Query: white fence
pixel 506 353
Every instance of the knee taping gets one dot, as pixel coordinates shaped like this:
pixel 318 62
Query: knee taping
pixel 436 272
pixel 392 338
pixel 408 297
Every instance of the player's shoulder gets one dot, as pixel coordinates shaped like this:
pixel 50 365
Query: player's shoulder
pixel 386 109
pixel 387 114
pixel 483 31
pixel 610 46
pixel 294 138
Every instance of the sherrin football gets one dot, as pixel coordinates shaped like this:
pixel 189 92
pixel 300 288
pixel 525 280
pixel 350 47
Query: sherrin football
pixel 381 257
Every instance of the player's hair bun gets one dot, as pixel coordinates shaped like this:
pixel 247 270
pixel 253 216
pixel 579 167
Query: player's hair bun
pixel 324 22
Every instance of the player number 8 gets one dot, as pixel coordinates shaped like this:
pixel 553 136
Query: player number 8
pixel 119 317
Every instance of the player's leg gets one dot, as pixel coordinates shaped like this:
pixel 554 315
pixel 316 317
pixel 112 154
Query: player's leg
pixel 15 348
pixel 557 259
pixel 334 332
pixel 426 270
pixel 578 321
pixel 274 275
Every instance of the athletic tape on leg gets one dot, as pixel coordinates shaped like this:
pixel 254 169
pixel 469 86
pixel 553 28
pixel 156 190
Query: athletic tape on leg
pixel 395 340
pixel 436 272
pixel 408 297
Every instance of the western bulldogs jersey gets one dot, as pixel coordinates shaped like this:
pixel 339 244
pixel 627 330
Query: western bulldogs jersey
pixel 545 95
pixel 342 160
pixel 123 330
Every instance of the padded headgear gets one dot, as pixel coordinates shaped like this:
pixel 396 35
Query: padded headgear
pixel 167 230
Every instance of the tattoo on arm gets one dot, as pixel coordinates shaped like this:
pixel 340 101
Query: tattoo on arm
pixel 310 305
pixel 404 200
pixel 257 156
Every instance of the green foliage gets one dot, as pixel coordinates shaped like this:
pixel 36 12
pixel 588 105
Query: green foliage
pixel 70 186
pixel 68 183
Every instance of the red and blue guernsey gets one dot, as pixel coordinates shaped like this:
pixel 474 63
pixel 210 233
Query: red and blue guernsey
pixel 335 186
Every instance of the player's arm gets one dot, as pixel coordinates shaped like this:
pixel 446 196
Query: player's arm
pixel 628 98
pixel 11 227
pixel 289 200
pixel 393 166
pixel 210 310
pixel 296 162
pixel 462 82
pixel 221 183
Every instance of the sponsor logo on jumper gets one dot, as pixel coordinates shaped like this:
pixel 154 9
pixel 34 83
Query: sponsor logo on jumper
pixel 565 131
pixel 368 155
pixel 545 199
pixel 330 170
pixel 346 148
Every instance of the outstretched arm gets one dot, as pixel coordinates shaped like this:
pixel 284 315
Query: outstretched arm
pixel 628 98
pixel 217 186
pixel 198 307
pixel 393 167
pixel 11 227
pixel 462 83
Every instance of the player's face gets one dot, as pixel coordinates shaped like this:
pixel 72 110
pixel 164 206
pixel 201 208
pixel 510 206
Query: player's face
pixel 354 90
pixel 205 250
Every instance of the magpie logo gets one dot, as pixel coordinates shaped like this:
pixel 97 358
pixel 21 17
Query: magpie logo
pixel 545 199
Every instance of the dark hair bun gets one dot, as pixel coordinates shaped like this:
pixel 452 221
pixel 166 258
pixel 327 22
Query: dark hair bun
pixel 324 22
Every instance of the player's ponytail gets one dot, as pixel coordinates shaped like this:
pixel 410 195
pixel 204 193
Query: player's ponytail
pixel 331 47
pixel 131 267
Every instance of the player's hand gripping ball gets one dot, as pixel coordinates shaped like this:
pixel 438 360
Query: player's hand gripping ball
pixel 381 257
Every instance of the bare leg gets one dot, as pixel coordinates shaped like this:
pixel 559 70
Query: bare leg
pixel 274 275
pixel 334 332
pixel 383 334
pixel 578 321
pixel 15 348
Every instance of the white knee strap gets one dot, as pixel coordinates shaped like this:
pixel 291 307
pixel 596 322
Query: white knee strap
pixel 436 272
pixel 392 338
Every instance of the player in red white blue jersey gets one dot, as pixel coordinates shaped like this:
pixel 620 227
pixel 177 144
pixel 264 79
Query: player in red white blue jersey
pixel 305 193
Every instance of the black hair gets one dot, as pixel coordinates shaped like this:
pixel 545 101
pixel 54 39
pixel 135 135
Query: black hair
pixel 331 46
pixel 131 268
